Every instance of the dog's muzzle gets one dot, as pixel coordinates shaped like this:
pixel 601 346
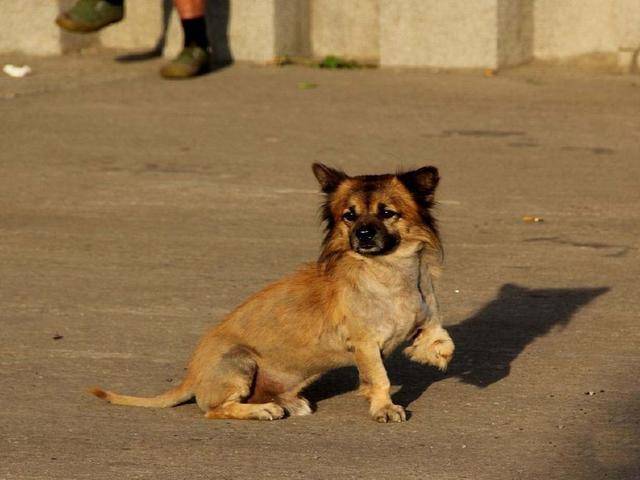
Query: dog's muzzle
pixel 369 239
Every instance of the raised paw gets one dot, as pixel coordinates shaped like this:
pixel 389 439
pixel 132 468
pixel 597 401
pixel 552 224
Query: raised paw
pixel 442 351
pixel 389 413
pixel 433 346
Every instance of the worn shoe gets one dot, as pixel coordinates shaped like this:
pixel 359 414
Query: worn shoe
pixel 90 16
pixel 192 61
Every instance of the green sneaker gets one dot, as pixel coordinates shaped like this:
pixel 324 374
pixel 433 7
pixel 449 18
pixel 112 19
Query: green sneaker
pixel 90 16
pixel 192 61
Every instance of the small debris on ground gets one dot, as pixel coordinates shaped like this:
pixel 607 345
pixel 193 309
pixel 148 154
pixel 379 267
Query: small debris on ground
pixel 590 393
pixel 280 61
pixel 532 219
pixel 57 336
pixel 333 62
pixel 16 71
pixel 534 81
pixel 307 85
pixel 490 72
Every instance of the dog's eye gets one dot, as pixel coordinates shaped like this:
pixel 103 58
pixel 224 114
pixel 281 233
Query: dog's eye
pixel 349 216
pixel 387 213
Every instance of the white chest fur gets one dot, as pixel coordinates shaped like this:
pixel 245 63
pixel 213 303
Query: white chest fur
pixel 391 303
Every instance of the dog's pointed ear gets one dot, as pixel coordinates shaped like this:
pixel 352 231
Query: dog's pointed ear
pixel 328 178
pixel 421 183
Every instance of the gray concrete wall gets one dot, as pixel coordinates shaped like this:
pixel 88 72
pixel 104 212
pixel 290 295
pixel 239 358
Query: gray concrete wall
pixel 627 15
pixel 568 28
pixel 414 33
pixel 451 34
pixel 345 28
pixel 16 16
pixel 589 31
pixel 515 35
pixel 26 26
pixel 292 27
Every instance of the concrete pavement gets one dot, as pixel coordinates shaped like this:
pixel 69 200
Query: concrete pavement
pixel 135 212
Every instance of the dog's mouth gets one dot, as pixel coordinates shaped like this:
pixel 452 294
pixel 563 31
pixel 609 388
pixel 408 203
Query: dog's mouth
pixel 368 249
pixel 376 246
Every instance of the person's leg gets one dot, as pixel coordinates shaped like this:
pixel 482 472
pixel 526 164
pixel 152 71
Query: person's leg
pixel 190 8
pixel 194 58
pixel 194 25
pixel 91 15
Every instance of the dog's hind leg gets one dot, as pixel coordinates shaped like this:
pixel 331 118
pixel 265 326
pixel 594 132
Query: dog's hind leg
pixel 246 411
pixel 223 388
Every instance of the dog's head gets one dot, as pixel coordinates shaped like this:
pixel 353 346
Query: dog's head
pixel 375 215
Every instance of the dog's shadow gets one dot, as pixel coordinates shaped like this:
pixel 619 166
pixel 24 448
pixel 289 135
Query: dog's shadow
pixel 486 343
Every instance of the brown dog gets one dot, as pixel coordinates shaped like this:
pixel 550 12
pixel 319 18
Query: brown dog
pixel 370 290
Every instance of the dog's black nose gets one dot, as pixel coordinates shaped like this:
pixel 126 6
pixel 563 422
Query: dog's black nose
pixel 365 233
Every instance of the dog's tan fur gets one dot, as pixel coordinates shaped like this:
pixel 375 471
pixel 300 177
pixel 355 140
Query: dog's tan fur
pixel 347 308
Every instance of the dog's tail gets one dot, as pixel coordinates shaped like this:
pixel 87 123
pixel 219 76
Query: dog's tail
pixel 171 398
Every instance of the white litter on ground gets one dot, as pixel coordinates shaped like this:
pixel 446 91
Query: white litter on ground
pixel 16 71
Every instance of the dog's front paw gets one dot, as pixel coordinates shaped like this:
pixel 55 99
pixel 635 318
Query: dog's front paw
pixel 433 346
pixel 389 413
